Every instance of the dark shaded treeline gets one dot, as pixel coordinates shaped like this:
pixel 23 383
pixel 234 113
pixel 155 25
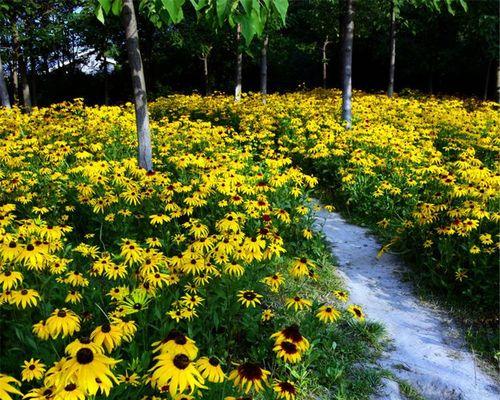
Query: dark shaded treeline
pixel 436 53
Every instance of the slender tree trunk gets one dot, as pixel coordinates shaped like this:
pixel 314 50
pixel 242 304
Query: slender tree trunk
pixel 206 77
pixel 33 81
pixel 21 65
pixel 347 43
pixel 4 94
pixel 392 50
pixel 498 82
pixel 15 63
pixel 25 87
pixel 239 65
pixel 106 79
pixel 15 81
pixel 325 62
pixel 487 80
pixel 263 67
pixel 129 21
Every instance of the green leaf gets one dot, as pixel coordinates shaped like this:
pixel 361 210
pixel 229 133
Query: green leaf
pixel 247 5
pixel 117 7
pixel 99 14
pixel 282 8
pixel 174 9
pixel 106 5
pixel 221 10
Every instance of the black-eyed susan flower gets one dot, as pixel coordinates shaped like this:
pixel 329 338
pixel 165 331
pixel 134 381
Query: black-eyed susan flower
pixel 10 279
pixel 356 311
pixel 288 351
pixel 249 298
pixel 73 297
pixel 7 387
pixel 342 295
pixel 274 281
pixel 62 321
pixel 80 343
pixel 177 342
pixel 90 370
pixel 107 335
pixel 249 376
pixel 71 391
pixel 177 372
pixel 328 313
pixel 291 334
pixel 285 390
pixel 129 379
pixel 267 315
pixel 32 370
pixel 298 303
pixel 25 298
pixel 300 267
pixel 210 369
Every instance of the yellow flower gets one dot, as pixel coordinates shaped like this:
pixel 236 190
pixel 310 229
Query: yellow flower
pixel 63 321
pixel 210 369
pixel 285 390
pixel 178 372
pixel 6 387
pixel 249 376
pixel 25 298
pixel 249 298
pixel 356 312
pixel 107 335
pixel 328 313
pixel 32 369
pixel 90 370
pixel 298 303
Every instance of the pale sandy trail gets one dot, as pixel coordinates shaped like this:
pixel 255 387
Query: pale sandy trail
pixel 427 349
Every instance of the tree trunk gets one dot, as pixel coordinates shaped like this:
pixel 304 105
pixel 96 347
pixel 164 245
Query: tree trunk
pixel 129 21
pixel 206 78
pixel 487 80
pixel 106 79
pixel 347 43
pixel 325 61
pixel 392 51
pixel 4 94
pixel 239 65
pixel 15 63
pixel 25 87
pixel 15 82
pixel 263 67
pixel 498 82
pixel 21 67
pixel 33 81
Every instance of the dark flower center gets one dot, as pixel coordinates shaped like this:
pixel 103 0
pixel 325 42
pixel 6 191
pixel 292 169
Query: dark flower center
pixel 70 387
pixel 287 387
pixel 213 361
pixel 32 367
pixel 106 328
pixel 289 348
pixel 24 292
pixel 84 356
pixel 61 314
pixel 250 371
pixel 249 296
pixel 181 361
pixel 181 339
pixel 30 247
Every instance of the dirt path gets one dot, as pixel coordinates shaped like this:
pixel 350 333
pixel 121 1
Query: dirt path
pixel 427 350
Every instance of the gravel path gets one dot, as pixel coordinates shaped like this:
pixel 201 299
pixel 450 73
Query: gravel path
pixel 427 350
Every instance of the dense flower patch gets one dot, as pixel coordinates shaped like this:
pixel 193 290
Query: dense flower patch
pixel 423 172
pixel 192 280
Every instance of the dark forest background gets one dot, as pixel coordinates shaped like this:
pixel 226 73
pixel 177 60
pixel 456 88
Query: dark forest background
pixel 439 52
